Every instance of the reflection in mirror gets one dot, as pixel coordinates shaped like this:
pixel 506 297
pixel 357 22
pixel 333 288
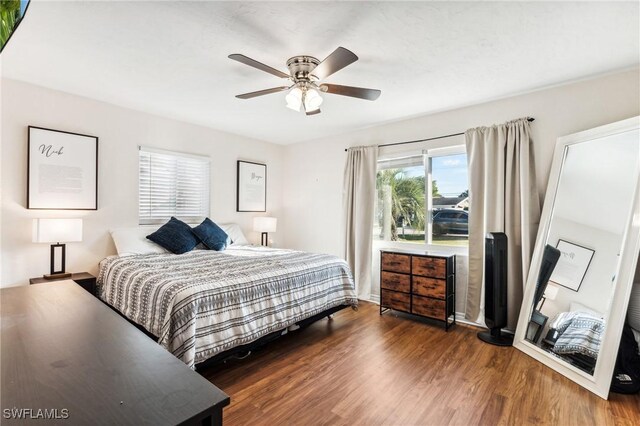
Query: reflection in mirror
pixel 577 275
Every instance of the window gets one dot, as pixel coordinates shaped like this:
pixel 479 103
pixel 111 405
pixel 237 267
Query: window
pixel 10 18
pixel 423 199
pixel 172 184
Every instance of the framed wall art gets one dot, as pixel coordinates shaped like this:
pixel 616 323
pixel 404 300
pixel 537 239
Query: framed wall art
pixel 251 187
pixel 62 170
pixel 572 265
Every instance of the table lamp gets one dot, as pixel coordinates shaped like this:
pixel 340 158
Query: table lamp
pixel 57 231
pixel 550 293
pixel 264 225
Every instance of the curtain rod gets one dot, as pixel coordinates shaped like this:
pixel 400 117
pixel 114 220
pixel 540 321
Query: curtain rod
pixel 432 139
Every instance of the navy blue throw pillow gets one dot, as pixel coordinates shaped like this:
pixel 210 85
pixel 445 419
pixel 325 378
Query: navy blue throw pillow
pixel 211 235
pixel 175 236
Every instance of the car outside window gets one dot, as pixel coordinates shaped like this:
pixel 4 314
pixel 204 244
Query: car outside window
pixel 422 199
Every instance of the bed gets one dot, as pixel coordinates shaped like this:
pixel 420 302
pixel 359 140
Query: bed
pixel 204 302
pixel 577 336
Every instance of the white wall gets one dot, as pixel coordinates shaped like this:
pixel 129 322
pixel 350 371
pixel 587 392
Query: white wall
pixel 596 289
pixel 305 180
pixel 120 131
pixel 313 177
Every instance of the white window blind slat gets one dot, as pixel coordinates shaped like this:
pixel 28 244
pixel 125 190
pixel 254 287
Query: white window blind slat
pixel 172 184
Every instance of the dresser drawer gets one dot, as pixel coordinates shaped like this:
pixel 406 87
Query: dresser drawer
pixel 432 287
pixel 395 300
pixel 432 308
pixel 396 262
pixel 396 282
pixel 429 266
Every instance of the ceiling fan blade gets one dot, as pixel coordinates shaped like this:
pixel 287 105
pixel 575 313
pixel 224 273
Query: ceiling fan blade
pixel 262 92
pixel 259 65
pixel 337 60
pixel 354 92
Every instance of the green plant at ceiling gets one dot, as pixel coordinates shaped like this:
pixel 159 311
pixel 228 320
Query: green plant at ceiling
pixel 11 12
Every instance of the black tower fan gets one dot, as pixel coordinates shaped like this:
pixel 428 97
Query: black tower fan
pixel 550 258
pixel 495 289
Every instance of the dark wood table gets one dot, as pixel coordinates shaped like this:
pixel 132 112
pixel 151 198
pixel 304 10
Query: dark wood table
pixel 83 279
pixel 63 349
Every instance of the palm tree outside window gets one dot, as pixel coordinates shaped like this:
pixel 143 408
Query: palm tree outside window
pixel 423 199
pixel 11 13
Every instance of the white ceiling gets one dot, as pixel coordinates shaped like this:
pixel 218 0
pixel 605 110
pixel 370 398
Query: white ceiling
pixel 170 58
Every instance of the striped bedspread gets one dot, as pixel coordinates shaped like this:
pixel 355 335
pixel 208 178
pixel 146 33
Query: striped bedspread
pixel 204 302
pixel 580 333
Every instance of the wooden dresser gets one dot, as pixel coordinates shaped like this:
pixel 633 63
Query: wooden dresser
pixel 420 283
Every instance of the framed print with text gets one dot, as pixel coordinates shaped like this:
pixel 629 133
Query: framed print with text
pixel 572 265
pixel 251 187
pixel 62 170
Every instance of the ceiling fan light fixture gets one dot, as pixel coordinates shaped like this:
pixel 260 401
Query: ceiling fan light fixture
pixel 294 99
pixel 312 100
pixel 307 73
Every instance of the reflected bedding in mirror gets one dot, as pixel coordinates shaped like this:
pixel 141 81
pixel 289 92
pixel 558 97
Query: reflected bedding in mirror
pixel 577 336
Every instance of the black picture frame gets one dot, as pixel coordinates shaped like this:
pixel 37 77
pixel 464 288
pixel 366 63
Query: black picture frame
pixel 241 204
pixel 565 284
pixel 29 202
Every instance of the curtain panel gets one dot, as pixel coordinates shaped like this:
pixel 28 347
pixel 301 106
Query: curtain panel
pixel 359 197
pixel 503 198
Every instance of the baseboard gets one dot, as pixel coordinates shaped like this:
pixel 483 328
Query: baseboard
pixel 462 320
pixel 374 298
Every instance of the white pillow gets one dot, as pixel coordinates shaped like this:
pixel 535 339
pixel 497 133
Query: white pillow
pixel 133 240
pixel 235 233
pixel 579 307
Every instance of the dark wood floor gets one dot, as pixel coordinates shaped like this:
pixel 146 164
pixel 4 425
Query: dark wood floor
pixel 361 368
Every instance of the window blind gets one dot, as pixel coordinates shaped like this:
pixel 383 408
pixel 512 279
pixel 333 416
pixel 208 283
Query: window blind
pixel 172 184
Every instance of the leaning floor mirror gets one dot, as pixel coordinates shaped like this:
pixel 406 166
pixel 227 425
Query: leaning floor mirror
pixel 582 271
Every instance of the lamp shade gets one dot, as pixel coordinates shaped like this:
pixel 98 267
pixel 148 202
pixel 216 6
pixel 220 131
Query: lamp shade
pixel 294 99
pixel 312 100
pixel 265 224
pixel 551 292
pixel 57 230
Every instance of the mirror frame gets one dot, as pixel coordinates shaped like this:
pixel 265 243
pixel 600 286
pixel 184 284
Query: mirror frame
pixel 600 382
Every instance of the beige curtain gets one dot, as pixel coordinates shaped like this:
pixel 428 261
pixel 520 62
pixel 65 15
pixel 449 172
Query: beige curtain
pixel 503 198
pixel 358 206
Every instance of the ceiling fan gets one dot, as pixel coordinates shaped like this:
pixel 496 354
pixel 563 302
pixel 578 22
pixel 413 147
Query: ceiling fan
pixel 306 72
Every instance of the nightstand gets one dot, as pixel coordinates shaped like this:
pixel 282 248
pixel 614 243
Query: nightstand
pixel 83 279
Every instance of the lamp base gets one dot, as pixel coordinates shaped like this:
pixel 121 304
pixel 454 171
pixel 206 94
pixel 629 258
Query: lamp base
pixel 57 276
